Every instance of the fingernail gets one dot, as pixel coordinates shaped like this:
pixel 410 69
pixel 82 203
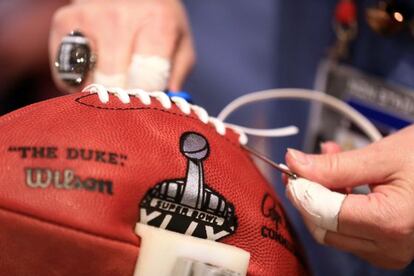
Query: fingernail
pixel 299 156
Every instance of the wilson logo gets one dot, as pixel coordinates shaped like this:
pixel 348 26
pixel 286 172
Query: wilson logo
pixel 42 178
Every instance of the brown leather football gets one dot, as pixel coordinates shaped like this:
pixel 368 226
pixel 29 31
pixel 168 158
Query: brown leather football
pixel 78 172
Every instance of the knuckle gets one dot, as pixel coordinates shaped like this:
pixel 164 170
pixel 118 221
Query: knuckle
pixel 332 164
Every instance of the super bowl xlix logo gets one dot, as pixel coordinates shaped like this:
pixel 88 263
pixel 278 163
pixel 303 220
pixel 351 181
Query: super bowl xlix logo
pixel 188 206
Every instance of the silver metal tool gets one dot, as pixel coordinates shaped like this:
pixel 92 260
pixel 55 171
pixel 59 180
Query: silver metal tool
pixel 271 163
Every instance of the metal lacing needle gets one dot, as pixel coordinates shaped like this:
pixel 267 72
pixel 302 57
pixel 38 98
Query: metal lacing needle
pixel 271 163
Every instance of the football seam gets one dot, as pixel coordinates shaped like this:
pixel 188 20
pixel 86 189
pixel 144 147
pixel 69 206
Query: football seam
pixel 236 145
pixel 78 100
pixel 71 228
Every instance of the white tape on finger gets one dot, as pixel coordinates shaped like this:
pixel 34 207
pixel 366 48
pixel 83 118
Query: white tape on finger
pixel 150 73
pixel 316 203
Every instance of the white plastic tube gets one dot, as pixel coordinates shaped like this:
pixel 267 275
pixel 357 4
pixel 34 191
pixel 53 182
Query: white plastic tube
pixel 303 94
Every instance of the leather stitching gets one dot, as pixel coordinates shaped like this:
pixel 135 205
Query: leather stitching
pixel 78 100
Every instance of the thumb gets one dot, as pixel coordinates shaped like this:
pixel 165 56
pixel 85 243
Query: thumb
pixel 368 165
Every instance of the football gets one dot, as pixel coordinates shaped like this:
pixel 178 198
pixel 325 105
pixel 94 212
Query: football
pixel 79 173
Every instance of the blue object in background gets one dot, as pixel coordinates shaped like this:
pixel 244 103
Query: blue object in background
pixel 244 46
pixel 182 94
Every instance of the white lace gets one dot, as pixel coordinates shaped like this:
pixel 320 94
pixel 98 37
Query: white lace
pixel 186 108
pixel 165 101
pixel 304 94
pixel 218 123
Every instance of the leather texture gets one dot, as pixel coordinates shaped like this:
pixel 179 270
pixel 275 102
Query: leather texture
pixel 88 230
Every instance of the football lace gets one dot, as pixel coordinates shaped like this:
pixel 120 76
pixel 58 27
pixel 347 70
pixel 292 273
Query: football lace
pixel 166 102
pixel 185 107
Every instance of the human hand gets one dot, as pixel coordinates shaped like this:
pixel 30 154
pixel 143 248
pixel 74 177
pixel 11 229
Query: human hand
pixel 138 43
pixel 379 226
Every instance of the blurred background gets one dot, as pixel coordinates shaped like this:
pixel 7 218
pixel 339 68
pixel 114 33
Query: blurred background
pixel 24 62
pixel 242 46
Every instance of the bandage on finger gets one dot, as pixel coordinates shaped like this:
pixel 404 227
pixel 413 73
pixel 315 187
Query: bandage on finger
pixel 316 203
pixel 150 73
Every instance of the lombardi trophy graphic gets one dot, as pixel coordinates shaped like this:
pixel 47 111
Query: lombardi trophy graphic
pixel 195 148
pixel 188 205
